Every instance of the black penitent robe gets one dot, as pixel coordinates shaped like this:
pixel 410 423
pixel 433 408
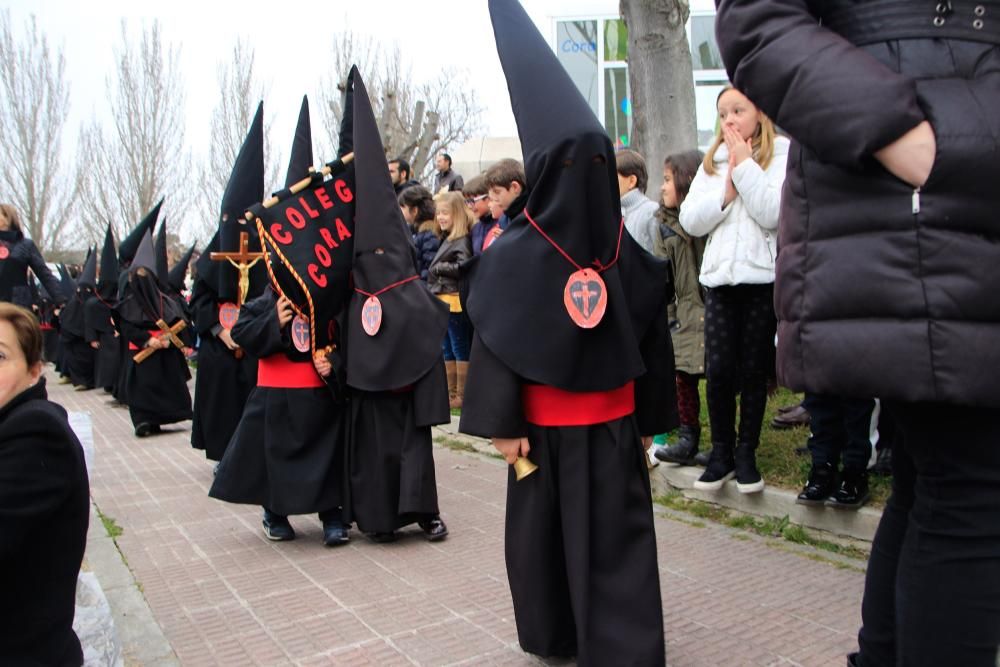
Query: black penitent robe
pixel 580 545
pixel 99 327
pixel 156 388
pixel 223 382
pixel 287 453
pixel 391 458
pixel 78 355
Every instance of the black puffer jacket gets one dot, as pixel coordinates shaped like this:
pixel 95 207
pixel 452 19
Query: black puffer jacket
pixel 17 255
pixel 426 243
pixel 881 290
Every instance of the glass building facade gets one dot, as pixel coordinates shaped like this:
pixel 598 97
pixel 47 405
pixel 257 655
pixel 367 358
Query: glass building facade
pixel 594 50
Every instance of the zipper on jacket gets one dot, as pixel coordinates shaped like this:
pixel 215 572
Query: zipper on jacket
pixel 916 201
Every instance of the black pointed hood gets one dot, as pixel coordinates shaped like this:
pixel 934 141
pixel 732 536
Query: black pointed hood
pixel 66 281
pixel 88 277
pixel 178 272
pixel 244 189
pixel 572 195
pixel 127 248
pixel 413 319
pixel 301 159
pixel 108 276
pixel 160 249
pixel 145 298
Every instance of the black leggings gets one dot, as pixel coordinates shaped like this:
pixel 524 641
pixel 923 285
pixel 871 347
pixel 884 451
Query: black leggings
pixel 739 357
pixel 932 591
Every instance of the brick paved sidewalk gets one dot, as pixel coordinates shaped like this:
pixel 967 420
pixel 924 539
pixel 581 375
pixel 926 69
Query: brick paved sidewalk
pixel 224 595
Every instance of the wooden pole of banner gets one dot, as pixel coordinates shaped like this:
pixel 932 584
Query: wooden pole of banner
pixel 301 185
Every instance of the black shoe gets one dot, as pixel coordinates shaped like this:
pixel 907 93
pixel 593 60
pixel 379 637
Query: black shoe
pixel 146 429
pixel 853 660
pixel 434 529
pixel 719 470
pixel 683 451
pixel 748 479
pixel 852 492
pixel 701 458
pixel 822 481
pixel 383 538
pixel 335 533
pixel 797 416
pixel 215 470
pixel 277 528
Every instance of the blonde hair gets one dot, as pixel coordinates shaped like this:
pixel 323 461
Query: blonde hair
pixel 12 216
pixel 762 141
pixel 461 216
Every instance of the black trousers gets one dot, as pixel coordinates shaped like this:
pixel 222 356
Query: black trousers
pixel 842 429
pixel 932 591
pixel 581 549
pixel 739 358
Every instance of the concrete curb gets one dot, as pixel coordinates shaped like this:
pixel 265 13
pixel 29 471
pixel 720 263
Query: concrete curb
pixel 772 502
pixel 142 640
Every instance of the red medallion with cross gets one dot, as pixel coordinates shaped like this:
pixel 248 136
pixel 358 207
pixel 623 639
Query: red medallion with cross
pixel 4 251
pixel 228 314
pixel 300 333
pixel 371 315
pixel 586 298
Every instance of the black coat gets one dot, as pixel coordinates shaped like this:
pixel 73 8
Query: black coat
pixel 22 255
pixel 880 290
pixel 445 270
pixel 426 243
pixel 44 510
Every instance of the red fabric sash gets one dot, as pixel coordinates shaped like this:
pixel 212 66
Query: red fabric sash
pixel 153 334
pixel 280 372
pixel 549 406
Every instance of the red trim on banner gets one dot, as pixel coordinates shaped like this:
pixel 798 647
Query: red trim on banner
pixel 280 372
pixel 549 406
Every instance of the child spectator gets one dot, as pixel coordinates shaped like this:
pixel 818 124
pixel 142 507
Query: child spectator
pixel 638 210
pixel 418 208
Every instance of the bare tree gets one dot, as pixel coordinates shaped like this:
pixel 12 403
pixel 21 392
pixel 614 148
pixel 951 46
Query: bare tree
pixel 123 171
pixel 662 82
pixel 415 119
pixel 32 119
pixel 239 93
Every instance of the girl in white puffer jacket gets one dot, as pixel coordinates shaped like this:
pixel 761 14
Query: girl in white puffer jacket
pixel 734 200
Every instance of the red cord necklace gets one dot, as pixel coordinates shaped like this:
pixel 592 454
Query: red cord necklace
pixel 585 295
pixel 371 311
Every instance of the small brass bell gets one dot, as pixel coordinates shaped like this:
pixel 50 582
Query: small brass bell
pixel 523 467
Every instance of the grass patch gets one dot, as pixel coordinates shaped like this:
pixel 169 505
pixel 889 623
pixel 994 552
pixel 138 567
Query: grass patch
pixel 770 527
pixel 110 527
pixel 463 446
pixel 776 458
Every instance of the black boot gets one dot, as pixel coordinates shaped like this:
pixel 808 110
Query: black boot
pixel 748 479
pixel 822 479
pixel 852 492
pixel 719 470
pixel 683 451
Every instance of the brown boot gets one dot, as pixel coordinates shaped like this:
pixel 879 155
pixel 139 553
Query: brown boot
pixel 462 368
pixel 449 368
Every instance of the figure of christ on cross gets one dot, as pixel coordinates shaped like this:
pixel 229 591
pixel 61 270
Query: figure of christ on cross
pixel 242 261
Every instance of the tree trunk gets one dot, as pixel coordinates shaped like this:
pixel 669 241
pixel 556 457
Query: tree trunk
pixel 662 83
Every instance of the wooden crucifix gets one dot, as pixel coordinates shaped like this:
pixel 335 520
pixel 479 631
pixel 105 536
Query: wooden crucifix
pixel 242 261
pixel 170 333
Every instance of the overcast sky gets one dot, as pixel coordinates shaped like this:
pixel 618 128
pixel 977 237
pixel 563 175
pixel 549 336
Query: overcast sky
pixel 431 35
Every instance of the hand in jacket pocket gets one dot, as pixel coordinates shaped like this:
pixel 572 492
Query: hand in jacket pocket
pixel 911 157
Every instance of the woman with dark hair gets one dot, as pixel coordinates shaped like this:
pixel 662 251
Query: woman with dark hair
pixel 419 211
pixel 44 508
pixel 17 255
pixel 887 279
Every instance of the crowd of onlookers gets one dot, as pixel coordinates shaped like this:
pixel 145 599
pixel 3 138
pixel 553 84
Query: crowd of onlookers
pixel 715 224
